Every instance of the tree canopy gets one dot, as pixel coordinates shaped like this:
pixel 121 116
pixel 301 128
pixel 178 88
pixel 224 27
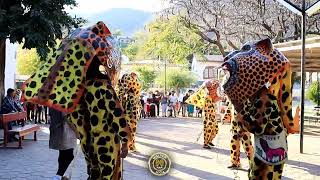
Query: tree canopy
pixel 177 78
pixel 28 61
pixel 35 24
pixel 147 75
pixel 164 39
pixel 235 22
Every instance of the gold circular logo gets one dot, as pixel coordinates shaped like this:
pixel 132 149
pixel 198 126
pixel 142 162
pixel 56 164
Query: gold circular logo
pixel 159 164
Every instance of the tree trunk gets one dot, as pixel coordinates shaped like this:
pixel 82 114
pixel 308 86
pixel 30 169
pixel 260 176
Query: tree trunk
pixel 2 67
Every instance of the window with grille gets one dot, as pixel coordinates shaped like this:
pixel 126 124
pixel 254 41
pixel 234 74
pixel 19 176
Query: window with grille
pixel 209 72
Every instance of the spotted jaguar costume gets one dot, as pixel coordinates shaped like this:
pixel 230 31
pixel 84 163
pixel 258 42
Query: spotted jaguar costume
pixel 71 82
pixel 129 91
pixel 206 97
pixel 259 87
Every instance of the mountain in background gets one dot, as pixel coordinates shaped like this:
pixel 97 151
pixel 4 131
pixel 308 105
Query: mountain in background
pixel 128 21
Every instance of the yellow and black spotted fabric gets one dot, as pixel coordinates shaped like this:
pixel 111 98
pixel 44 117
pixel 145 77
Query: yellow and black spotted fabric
pixel 260 89
pixel 129 92
pixel 71 81
pixel 206 98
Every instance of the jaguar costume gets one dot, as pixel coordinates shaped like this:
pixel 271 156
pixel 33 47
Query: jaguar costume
pixel 259 87
pixel 71 82
pixel 229 113
pixel 129 91
pixel 239 134
pixel 206 97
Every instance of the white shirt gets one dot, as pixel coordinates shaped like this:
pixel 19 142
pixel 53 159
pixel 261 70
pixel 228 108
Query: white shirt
pixel 173 99
pixel 180 98
pixel 145 98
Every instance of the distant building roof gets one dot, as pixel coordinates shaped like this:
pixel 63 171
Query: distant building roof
pixel 210 58
pixel 150 62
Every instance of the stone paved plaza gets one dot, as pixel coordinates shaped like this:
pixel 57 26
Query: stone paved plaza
pixel 175 136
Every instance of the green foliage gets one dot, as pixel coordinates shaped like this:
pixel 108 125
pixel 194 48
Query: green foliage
pixel 131 51
pixel 36 23
pixel 177 78
pixel 168 39
pixel 313 93
pixel 135 49
pixel 147 75
pixel 28 61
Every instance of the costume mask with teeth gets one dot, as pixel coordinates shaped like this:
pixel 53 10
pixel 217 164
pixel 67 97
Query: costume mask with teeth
pixel 250 69
pixel 255 67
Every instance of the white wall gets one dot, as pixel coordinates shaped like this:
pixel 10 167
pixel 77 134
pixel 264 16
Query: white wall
pixel 11 63
pixel 197 68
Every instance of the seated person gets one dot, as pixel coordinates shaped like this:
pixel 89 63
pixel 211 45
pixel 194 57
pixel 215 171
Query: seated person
pixel 9 105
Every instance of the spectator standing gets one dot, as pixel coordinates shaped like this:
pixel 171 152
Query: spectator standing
pixel 180 103
pixel 62 138
pixel 30 111
pixel 157 94
pixel 143 114
pixel 156 101
pixel 173 102
pixel 164 105
pixel 184 104
pixel 39 114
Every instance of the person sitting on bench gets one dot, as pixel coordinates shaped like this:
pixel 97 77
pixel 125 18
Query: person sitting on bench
pixel 9 105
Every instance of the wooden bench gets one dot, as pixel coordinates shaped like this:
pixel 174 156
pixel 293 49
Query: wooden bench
pixel 315 119
pixel 21 131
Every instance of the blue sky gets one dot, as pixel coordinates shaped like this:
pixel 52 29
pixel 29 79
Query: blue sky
pixel 87 7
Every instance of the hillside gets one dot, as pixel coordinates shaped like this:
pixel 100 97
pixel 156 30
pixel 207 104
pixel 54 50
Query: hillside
pixel 127 20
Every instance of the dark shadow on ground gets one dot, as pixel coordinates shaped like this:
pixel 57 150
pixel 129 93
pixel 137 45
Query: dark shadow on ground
pixel 313 169
pixel 187 146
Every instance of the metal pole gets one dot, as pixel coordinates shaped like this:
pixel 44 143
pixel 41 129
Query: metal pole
pixel 318 91
pixel 165 76
pixel 303 39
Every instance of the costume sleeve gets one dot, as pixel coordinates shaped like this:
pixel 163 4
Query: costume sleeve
pixel 121 89
pixel 198 98
pixel 119 123
pixel 254 119
pixel 285 99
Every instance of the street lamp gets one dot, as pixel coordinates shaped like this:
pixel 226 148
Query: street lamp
pixel 303 11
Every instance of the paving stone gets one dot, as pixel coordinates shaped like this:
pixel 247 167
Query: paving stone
pixel 175 136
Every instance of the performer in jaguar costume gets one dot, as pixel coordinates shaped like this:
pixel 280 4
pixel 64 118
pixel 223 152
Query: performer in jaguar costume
pixel 239 134
pixel 129 92
pixel 206 97
pixel 259 87
pixel 71 81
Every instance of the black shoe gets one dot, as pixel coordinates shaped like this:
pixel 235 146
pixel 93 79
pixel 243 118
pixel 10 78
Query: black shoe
pixel 206 147
pixel 211 144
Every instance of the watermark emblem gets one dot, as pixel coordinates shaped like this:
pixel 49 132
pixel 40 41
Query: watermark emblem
pixel 159 164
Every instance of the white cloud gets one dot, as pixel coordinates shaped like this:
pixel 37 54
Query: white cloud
pixel 88 7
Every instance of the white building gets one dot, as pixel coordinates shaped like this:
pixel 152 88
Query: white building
pixel 205 67
pixel 11 63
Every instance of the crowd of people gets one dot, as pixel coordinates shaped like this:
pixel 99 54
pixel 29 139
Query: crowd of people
pixel 170 105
